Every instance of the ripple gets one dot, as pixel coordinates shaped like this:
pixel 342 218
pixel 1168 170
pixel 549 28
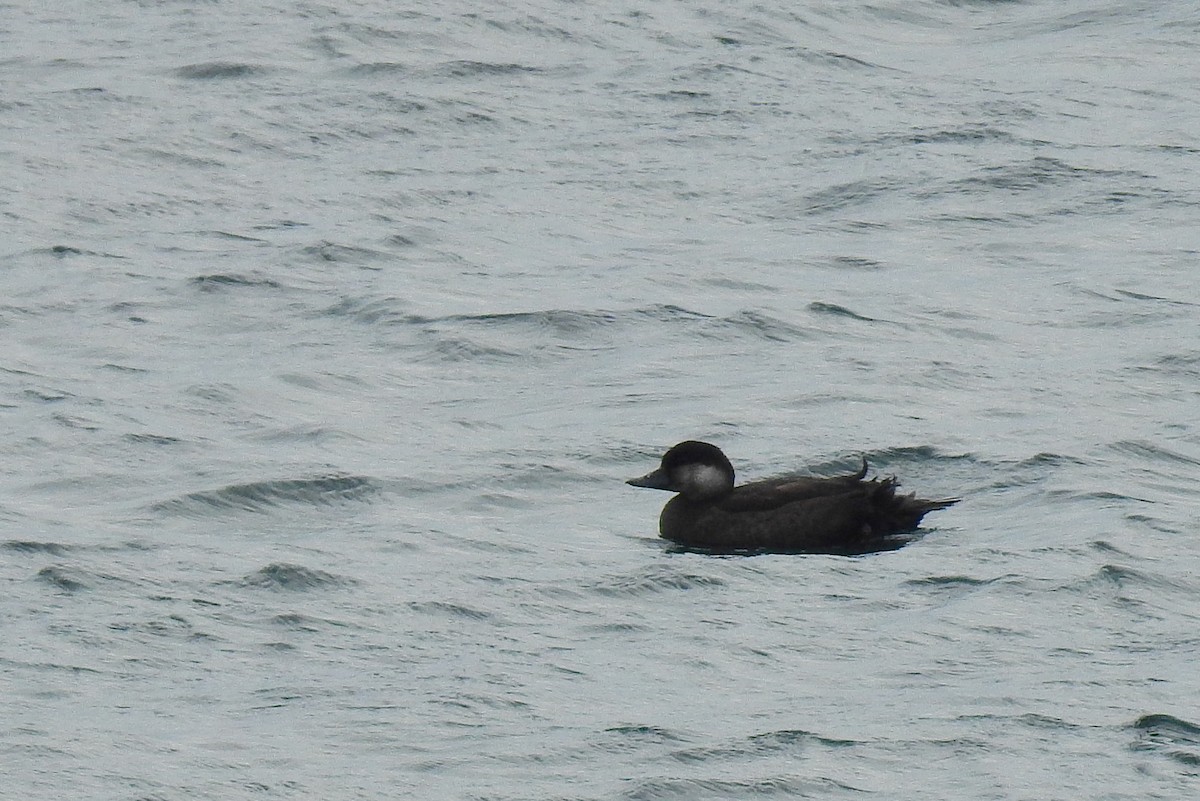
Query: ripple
pixel 844 196
pixel 218 70
pixel 66 578
pixel 151 439
pixel 856 263
pixel 761 326
pixel 332 252
pixel 305 623
pixel 444 609
pixel 654 581
pixel 553 333
pixel 770 787
pixel 474 69
pixel 34 546
pixel 912 454
pixel 1150 451
pixel 839 311
pixel 386 310
pixel 784 741
pixel 1038 172
pixel 262 496
pixel 642 733
pixel 219 281
pixel 951 582
pixel 1184 365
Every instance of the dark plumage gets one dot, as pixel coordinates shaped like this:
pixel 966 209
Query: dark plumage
pixel 843 514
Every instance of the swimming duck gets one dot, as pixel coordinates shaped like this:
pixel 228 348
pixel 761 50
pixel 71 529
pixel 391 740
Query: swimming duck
pixel 843 514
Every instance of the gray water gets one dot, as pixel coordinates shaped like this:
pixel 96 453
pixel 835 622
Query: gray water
pixel 332 331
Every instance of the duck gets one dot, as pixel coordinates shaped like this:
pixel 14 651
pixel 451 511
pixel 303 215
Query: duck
pixel 846 514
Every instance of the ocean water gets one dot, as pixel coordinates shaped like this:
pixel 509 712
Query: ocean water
pixel 331 332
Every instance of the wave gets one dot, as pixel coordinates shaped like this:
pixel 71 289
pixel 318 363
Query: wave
pixel 1173 737
pixel 284 576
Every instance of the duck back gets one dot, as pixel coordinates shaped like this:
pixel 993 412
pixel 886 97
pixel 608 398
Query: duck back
pixel 843 514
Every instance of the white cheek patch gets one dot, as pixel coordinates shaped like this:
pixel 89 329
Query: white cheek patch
pixel 702 480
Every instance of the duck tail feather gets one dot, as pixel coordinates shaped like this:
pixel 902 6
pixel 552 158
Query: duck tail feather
pixel 862 471
pixel 934 505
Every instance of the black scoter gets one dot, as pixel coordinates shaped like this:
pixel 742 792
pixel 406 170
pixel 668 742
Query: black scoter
pixel 843 514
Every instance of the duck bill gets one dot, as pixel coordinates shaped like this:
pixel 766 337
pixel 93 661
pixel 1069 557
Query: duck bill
pixel 655 480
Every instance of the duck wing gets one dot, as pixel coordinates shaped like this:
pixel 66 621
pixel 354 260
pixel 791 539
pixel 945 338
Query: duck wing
pixel 761 496
pixel 860 519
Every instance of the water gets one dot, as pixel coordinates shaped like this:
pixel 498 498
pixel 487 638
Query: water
pixel 331 333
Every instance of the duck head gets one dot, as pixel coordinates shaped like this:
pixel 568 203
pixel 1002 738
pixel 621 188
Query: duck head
pixel 696 470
